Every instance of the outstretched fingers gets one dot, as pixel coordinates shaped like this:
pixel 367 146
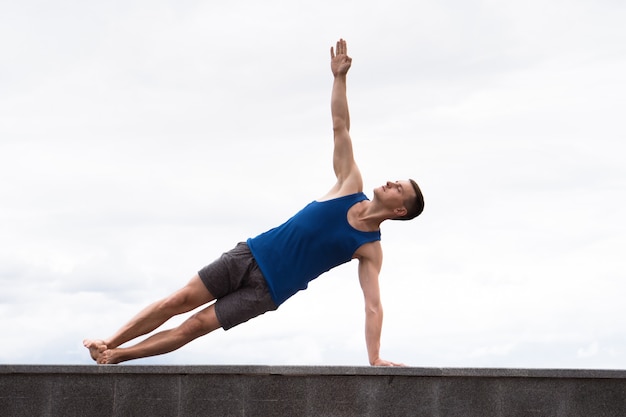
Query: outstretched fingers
pixel 341 48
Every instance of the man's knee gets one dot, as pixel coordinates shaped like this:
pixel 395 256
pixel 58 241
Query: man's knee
pixel 200 324
pixel 178 302
pixel 191 296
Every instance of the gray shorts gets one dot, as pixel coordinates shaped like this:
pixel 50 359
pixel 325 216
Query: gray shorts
pixel 237 283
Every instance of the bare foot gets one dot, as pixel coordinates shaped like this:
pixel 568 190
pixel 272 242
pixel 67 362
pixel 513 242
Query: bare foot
pixel 109 357
pixel 96 348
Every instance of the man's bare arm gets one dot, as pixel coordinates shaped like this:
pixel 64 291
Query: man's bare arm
pixel 370 262
pixel 347 173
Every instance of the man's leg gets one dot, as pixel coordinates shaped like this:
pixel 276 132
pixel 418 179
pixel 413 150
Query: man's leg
pixel 191 296
pixel 166 341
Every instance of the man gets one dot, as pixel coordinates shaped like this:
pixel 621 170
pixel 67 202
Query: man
pixel 259 275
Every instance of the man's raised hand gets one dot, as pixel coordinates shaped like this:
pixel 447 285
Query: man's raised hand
pixel 340 62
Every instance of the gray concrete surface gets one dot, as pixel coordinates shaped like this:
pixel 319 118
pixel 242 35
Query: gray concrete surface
pixel 196 391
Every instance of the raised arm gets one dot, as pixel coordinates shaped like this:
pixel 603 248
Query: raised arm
pixel 347 172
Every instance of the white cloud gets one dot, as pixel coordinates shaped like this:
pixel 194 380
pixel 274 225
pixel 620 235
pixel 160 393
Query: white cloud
pixel 140 140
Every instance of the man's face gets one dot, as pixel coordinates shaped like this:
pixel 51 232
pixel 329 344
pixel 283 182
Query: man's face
pixel 394 194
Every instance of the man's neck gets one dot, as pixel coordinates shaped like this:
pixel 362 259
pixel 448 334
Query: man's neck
pixel 365 217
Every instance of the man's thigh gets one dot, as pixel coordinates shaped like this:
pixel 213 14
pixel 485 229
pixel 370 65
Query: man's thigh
pixel 244 304
pixel 238 285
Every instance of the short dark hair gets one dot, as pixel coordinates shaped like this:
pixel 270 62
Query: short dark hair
pixel 414 206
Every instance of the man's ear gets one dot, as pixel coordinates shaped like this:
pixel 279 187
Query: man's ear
pixel 400 211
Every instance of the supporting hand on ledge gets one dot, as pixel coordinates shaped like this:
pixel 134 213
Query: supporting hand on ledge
pixel 382 362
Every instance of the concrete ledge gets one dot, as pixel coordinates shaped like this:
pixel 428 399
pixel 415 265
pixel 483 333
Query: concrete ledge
pixel 127 390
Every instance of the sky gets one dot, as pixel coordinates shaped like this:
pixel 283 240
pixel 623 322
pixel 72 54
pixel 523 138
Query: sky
pixel 139 140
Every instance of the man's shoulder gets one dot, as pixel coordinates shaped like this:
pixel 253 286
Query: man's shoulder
pixel 344 188
pixel 357 197
pixel 370 251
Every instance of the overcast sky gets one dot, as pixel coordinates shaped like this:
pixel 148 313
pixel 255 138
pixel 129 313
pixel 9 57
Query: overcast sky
pixel 141 139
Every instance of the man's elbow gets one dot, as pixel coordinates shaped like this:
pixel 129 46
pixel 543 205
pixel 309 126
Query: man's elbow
pixel 374 309
pixel 340 125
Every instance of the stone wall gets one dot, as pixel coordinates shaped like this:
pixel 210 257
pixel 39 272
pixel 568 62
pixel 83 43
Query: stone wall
pixel 196 391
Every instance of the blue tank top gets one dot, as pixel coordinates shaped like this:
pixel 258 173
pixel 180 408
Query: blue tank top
pixel 312 242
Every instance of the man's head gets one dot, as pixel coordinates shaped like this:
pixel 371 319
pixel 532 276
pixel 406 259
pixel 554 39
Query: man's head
pixel 403 197
pixel 414 203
